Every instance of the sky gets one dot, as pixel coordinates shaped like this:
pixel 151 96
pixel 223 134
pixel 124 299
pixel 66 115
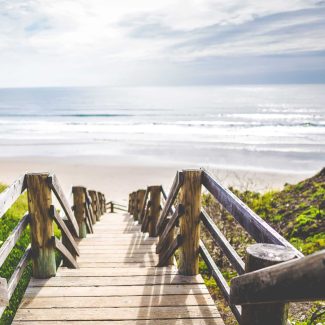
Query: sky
pixel 161 43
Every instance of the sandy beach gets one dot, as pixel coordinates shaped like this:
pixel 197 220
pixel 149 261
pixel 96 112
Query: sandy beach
pixel 116 177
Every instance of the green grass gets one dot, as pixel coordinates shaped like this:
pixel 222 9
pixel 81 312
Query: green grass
pixel 7 223
pixel 297 212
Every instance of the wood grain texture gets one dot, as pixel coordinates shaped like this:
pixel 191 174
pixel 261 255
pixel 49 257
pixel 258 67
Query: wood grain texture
pixel 248 219
pixel 79 201
pixel 41 225
pixel 57 190
pixel 12 239
pixel 155 196
pixel 118 282
pixel 11 194
pixel 175 321
pixel 190 223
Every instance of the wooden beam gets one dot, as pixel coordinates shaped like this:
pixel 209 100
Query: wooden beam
pixel 64 229
pixel 140 199
pixel 9 196
pixel 170 225
pixel 189 225
pixel 4 297
pixel 220 280
pixel 79 203
pixel 223 243
pixel 16 276
pixel 178 181
pixel 259 256
pixel 143 210
pixel 12 239
pixel 57 190
pixel 296 280
pixel 63 250
pixel 94 205
pixel 41 225
pixel 169 252
pixel 154 209
pixel 88 219
pixel 248 219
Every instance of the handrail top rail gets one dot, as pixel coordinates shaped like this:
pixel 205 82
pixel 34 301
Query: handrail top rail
pixel 259 229
pixel 299 279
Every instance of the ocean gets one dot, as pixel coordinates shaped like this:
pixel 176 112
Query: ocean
pixel 269 128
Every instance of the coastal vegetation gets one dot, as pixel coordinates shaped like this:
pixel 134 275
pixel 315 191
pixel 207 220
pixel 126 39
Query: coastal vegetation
pixel 7 223
pixel 297 212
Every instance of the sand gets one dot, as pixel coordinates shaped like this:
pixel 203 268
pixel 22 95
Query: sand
pixel 118 177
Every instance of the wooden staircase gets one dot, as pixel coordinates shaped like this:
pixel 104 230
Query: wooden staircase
pixel 117 281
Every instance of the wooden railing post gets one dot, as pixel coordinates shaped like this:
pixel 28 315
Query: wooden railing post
pixel 136 206
pixel 67 244
pixel 140 199
pixel 104 203
pixel 155 197
pixel 190 223
pixel 133 202
pixel 112 207
pixel 260 256
pixel 129 205
pixel 94 205
pixel 41 225
pixel 79 201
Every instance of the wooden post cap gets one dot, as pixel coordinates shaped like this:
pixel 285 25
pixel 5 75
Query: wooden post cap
pixel 264 255
pixel 258 257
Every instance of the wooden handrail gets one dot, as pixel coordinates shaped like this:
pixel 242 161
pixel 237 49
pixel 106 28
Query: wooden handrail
pixel 296 280
pixel 248 219
pixel 223 243
pixel 186 219
pixel 40 216
pixel 12 239
pixel 64 229
pixel 219 278
pixel 170 225
pixel 9 196
pixel 57 190
pixel 178 181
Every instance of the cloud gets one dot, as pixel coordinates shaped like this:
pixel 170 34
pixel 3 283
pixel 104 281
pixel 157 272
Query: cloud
pixel 80 42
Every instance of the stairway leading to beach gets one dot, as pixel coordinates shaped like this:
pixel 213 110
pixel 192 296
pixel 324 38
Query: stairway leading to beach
pixel 118 281
pixel 120 268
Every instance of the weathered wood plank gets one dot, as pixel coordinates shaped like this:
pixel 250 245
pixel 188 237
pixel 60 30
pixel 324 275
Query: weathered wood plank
pixel 218 277
pixel 109 281
pixel 170 251
pixel 178 181
pixel 119 259
pixel 62 226
pixel 41 225
pixel 297 280
pixel 102 314
pixel 170 225
pixel 117 301
pixel 12 239
pixel 9 196
pixel 176 321
pixel 161 290
pixel 248 219
pixel 16 276
pixel 4 298
pixel 64 251
pixel 57 190
pixel 114 272
pixel 223 243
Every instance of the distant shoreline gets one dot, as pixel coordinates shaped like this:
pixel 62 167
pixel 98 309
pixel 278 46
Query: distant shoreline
pixel 116 176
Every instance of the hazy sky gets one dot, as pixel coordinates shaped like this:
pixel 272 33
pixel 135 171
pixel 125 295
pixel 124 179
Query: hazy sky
pixel 167 42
